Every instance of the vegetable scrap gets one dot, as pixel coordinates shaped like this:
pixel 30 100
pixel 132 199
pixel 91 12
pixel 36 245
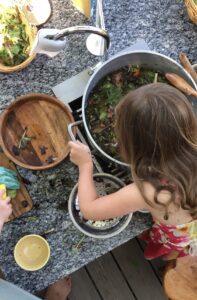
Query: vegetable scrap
pixel 77 247
pixel 12 193
pixel 106 95
pixel 50 159
pixel 181 84
pixel 187 65
pixel 23 143
pixel 24 140
pixel 14 36
pixel 42 149
pixel 103 224
pixel 32 218
pixel 24 203
pixel 15 150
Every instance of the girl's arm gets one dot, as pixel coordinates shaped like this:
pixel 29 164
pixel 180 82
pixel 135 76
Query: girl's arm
pixel 124 201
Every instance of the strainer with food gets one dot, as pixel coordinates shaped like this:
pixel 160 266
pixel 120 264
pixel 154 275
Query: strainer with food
pixel 105 184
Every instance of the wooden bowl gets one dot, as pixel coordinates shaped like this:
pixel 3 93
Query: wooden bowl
pixel 33 131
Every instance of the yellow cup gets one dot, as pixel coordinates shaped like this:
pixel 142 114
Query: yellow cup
pixel 32 252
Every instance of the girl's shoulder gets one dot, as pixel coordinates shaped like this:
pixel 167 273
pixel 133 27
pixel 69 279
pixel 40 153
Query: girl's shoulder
pixel 176 214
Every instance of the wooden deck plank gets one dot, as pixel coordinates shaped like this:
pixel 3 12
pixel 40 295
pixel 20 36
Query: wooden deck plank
pixel 138 272
pixel 82 287
pixel 157 264
pixel 108 279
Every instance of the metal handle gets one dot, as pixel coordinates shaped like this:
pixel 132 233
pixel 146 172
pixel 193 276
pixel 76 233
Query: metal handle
pixel 80 29
pixel 70 132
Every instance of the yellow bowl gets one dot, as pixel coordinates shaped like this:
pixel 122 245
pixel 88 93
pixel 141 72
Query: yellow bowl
pixel 32 252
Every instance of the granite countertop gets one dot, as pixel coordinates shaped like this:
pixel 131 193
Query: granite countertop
pixel 166 28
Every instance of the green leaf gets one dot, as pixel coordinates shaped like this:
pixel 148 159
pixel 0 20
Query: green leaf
pixel 103 116
pixel 15 39
pixel 16 49
pixel 12 193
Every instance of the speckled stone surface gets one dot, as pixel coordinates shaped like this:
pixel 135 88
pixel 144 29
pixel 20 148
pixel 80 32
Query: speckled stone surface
pixel 165 26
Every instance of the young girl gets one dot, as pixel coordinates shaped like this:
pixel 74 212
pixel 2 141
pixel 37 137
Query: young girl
pixel 157 135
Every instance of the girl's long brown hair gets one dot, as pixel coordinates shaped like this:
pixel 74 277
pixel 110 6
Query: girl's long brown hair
pixel 157 135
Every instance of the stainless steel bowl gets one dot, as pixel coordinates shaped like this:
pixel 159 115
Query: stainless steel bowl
pixel 103 183
pixel 146 59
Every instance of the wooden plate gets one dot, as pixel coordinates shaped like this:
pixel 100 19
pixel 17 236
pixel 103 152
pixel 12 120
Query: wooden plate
pixel 42 120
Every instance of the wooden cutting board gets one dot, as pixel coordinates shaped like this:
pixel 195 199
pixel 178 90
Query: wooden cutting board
pixel 22 203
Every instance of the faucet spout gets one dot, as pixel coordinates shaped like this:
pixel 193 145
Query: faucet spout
pixel 81 29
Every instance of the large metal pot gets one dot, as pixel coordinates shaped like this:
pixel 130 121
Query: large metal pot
pixel 146 59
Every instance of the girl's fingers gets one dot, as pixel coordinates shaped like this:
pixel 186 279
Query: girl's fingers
pixel 76 144
pixel 79 143
pixel 73 145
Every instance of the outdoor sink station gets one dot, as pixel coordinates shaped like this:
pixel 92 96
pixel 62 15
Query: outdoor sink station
pixel 160 26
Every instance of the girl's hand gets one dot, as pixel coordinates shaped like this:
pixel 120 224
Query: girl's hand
pixel 80 154
pixel 5 208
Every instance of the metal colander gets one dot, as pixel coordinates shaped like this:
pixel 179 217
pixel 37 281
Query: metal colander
pixel 105 184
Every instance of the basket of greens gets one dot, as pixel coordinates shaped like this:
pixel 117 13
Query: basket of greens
pixel 16 38
pixel 191 6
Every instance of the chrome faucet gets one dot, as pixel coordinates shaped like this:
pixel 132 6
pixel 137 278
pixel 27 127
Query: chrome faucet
pixel 98 41
pixel 96 44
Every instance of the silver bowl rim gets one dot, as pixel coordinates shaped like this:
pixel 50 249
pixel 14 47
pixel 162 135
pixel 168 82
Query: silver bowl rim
pixel 128 217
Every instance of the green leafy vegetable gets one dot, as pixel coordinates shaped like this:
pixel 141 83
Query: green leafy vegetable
pixel 12 193
pixel 14 40
pixel 105 97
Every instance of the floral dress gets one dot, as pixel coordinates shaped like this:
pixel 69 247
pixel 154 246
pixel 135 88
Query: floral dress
pixel 162 239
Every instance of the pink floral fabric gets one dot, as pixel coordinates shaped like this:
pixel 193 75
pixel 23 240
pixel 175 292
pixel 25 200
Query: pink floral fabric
pixel 162 239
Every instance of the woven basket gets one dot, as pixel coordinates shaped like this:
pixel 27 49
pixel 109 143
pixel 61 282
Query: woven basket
pixel 192 10
pixel 32 30
pixel 24 64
